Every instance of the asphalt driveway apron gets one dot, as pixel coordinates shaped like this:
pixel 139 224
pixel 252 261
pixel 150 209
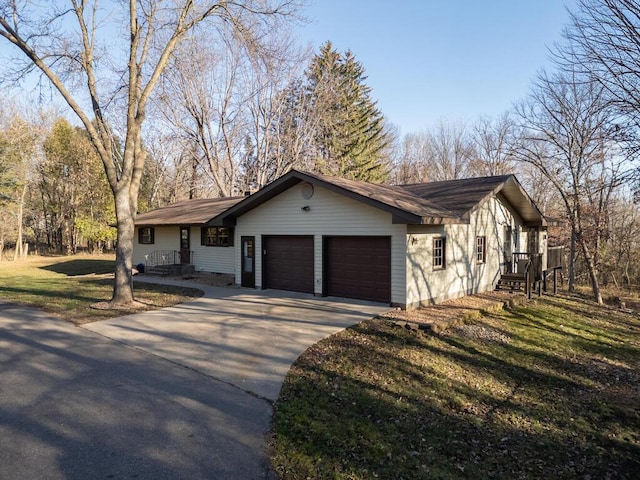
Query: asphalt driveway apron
pixel 76 405
pixel 183 392
pixel 245 338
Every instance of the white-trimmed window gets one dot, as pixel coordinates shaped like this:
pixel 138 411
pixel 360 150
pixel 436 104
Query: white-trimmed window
pixel 439 253
pixel 481 249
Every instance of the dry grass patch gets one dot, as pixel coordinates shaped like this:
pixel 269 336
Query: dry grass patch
pixel 549 390
pixel 68 287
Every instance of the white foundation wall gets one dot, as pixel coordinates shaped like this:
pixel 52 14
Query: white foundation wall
pixel 463 275
pixel 330 214
pixel 165 238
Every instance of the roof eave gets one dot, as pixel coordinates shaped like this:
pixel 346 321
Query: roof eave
pixel 540 221
pixel 293 177
pixel 169 224
pixel 441 220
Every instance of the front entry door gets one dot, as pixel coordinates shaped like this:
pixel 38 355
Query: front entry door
pixel 185 245
pixel 248 264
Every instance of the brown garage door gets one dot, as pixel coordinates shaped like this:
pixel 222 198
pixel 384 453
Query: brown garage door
pixel 288 263
pixel 358 267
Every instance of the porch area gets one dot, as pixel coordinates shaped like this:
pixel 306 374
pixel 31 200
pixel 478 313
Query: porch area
pixel 528 271
pixel 169 262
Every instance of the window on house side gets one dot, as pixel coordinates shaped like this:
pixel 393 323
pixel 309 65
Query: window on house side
pixel 481 249
pixel 439 253
pixel 217 237
pixel 145 235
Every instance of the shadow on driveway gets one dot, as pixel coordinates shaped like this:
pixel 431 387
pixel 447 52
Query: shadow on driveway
pixel 74 405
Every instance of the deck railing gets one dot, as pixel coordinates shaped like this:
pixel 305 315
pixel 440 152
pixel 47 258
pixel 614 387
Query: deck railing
pixel 555 257
pixel 162 257
pixel 518 260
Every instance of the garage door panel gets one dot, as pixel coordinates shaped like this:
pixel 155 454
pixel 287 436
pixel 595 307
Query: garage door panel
pixel 358 267
pixel 288 263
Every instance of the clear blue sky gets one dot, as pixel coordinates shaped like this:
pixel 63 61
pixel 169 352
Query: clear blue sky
pixel 450 59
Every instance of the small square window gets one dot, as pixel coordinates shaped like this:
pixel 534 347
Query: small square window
pixel 481 249
pixel 145 235
pixel 439 252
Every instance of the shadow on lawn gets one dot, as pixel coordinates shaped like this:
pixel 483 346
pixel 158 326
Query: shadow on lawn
pixel 82 267
pixel 452 407
pixel 47 293
pixel 92 290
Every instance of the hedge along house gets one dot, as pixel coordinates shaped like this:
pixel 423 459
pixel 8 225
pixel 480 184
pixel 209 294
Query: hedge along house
pixel 176 239
pixel 403 245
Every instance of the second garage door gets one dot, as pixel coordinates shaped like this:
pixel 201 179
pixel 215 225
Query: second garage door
pixel 358 267
pixel 288 263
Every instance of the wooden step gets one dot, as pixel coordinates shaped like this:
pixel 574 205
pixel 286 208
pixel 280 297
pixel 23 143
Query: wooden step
pixel 512 282
pixel 166 270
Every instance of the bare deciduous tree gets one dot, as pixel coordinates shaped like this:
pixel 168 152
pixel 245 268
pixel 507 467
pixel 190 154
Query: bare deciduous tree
pixel 108 84
pixel 491 139
pixel 410 165
pixel 225 108
pixel 604 43
pixel 566 134
pixel 450 151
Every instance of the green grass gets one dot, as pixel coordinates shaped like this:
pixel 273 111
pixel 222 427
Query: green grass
pixel 67 287
pixel 550 390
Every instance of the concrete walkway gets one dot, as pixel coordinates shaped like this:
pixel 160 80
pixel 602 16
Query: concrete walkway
pixel 246 338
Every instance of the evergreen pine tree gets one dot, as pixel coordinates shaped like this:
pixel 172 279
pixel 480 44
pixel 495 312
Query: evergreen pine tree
pixel 350 139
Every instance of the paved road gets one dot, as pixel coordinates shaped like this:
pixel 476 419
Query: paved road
pixel 114 399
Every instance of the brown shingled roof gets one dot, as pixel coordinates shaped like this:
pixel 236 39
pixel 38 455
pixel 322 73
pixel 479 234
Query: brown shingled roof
pixel 421 203
pixel 391 195
pixel 187 212
pixel 461 197
pixel 424 203
pixel 457 196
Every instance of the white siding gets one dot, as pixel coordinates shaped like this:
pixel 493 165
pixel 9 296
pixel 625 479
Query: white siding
pixel 165 238
pixel 211 259
pixel 463 275
pixel 208 259
pixel 329 214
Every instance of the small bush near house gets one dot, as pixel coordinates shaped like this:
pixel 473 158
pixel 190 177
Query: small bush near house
pixel 550 390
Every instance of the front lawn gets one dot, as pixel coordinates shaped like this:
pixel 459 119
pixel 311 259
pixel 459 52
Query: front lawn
pixel 68 286
pixel 551 390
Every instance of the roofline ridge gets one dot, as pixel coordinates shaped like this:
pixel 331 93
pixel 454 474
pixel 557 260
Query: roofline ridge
pixel 506 175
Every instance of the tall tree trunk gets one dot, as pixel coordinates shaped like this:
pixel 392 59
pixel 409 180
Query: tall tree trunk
pixel 194 178
pixel 18 252
pixel 572 261
pixel 593 272
pixel 122 287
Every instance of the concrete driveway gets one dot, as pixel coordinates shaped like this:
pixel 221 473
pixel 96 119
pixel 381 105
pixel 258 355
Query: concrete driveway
pixel 75 404
pixel 246 338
